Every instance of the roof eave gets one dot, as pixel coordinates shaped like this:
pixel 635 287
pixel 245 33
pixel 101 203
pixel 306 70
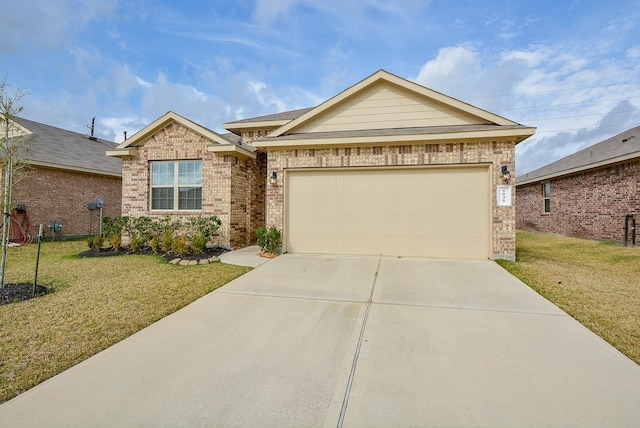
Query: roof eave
pixel 578 169
pixel 123 153
pixel 237 127
pixel 231 149
pixel 519 135
pixel 75 168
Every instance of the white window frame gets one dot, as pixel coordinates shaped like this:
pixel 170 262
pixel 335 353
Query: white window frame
pixel 176 183
pixel 546 197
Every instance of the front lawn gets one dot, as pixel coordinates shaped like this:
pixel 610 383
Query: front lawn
pixel 97 302
pixel 597 283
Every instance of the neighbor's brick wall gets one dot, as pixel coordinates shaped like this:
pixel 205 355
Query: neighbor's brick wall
pixel 496 153
pixel 221 174
pixel 50 194
pixel 591 204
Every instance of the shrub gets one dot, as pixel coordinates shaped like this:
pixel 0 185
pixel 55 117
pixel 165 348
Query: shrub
pixel 198 243
pixel 112 228
pixel 167 240
pixel 201 229
pixel 179 245
pixel 162 233
pixel 95 242
pixel 140 230
pixel 155 243
pixel 205 226
pixel 269 239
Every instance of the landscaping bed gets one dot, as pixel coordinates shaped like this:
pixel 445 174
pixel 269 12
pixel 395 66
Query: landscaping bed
pixel 19 292
pixel 207 253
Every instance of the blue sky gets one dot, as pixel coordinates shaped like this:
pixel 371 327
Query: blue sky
pixel 570 68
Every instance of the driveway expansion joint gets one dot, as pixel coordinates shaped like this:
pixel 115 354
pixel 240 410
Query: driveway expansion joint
pixel 356 356
pixel 463 308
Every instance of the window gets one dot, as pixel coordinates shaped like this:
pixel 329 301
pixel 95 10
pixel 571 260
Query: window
pixel 546 193
pixel 176 185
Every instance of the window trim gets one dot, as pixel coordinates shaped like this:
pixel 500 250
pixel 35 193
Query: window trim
pixel 546 197
pixel 175 185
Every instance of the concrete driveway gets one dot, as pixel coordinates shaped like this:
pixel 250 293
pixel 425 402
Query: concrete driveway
pixel 355 342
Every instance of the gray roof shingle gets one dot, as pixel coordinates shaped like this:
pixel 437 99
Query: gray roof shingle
pixel 285 115
pixel 64 149
pixel 620 147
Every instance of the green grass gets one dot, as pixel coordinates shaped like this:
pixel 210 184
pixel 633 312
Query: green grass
pixel 597 283
pixel 97 302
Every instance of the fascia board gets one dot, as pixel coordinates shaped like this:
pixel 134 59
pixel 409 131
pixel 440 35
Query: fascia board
pixel 74 168
pixel 520 135
pixel 231 149
pixel 126 152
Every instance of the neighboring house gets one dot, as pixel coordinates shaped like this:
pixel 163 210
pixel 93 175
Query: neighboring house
pixel 587 194
pixel 385 167
pixel 65 172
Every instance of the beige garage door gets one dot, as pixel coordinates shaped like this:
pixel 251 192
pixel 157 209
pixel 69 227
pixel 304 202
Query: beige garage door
pixel 426 212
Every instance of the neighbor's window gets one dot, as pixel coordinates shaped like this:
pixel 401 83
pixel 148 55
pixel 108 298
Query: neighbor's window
pixel 546 193
pixel 176 185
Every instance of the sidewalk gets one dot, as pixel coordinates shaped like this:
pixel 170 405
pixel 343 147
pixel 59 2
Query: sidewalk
pixel 247 256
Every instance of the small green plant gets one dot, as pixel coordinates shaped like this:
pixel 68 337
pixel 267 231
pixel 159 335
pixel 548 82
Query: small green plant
pixel 167 240
pixel 140 230
pixel 201 229
pixel 162 231
pixel 95 242
pixel 135 244
pixel 198 244
pixel 154 243
pixel 269 239
pixel 112 228
pixel 179 245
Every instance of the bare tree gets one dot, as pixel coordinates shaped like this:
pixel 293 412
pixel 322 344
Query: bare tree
pixel 13 149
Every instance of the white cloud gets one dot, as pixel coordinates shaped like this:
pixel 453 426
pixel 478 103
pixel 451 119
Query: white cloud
pixel 142 83
pixel 265 96
pixel 574 98
pixel 453 68
pixel 633 53
pixel 113 128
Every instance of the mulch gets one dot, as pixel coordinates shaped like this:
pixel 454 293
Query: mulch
pixel 12 293
pixel 168 256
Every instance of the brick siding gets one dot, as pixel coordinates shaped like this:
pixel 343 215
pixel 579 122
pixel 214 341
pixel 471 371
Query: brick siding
pixel 592 204
pixel 52 194
pixel 229 188
pixel 495 153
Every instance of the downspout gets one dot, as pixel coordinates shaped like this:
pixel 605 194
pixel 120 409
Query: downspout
pixel 631 217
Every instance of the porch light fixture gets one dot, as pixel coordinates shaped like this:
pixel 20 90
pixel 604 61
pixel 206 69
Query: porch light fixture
pixel 506 175
pixel 274 178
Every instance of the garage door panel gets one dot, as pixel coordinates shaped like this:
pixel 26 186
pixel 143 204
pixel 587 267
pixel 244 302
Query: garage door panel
pixel 432 212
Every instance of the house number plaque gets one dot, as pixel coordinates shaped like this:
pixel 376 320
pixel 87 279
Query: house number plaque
pixel 504 196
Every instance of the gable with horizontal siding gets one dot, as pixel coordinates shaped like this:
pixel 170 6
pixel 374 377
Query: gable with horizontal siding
pixel 387 106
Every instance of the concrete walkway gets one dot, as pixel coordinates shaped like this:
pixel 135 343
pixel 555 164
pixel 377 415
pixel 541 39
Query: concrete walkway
pixel 247 256
pixel 350 341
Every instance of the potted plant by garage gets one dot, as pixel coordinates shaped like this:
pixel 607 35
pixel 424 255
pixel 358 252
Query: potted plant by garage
pixel 269 241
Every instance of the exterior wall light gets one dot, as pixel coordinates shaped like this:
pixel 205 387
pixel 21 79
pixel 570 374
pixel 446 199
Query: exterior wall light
pixel 506 175
pixel 274 178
